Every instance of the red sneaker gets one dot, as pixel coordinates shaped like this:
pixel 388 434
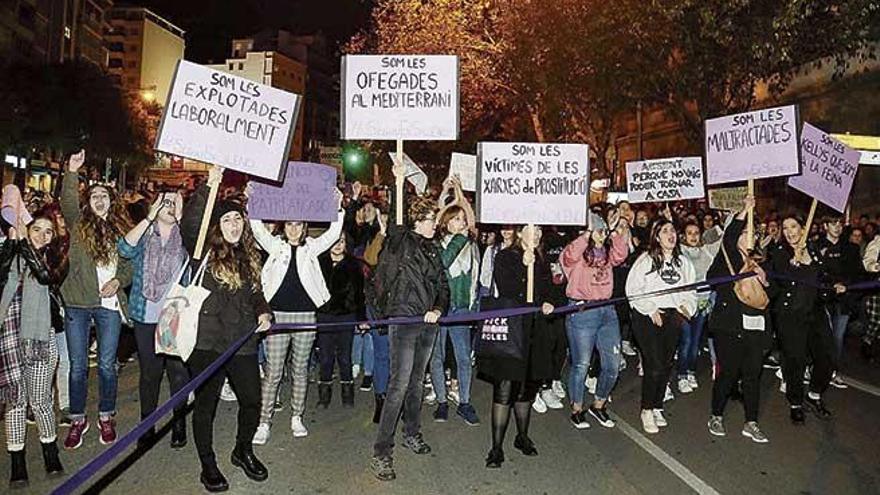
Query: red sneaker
pixel 75 435
pixel 108 430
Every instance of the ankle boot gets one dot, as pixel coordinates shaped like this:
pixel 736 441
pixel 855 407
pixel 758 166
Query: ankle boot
pixel 19 476
pixel 347 394
pixel 212 479
pixel 50 458
pixel 243 457
pixel 380 403
pixel 324 393
pixel 178 432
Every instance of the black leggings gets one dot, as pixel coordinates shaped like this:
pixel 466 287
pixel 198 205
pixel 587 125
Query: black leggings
pixel 507 393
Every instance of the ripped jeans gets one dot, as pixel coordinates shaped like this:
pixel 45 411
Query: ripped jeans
pixel 594 328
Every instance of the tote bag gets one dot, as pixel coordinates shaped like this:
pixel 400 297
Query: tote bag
pixel 501 337
pixel 178 325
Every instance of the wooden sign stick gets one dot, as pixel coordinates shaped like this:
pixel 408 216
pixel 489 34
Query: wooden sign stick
pixel 529 261
pixel 206 221
pixel 399 172
pixel 750 219
pixel 813 205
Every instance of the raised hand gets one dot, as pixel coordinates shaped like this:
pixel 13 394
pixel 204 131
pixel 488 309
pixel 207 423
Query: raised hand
pixel 76 161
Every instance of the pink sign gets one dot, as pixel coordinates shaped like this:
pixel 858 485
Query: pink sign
pixel 307 194
pixel 752 145
pixel 829 168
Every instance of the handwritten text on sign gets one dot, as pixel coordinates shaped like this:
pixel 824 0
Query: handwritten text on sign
pixel 409 97
pixel 229 121
pixel 667 179
pixel 728 198
pixel 752 145
pixel 523 183
pixel 307 194
pixel 829 168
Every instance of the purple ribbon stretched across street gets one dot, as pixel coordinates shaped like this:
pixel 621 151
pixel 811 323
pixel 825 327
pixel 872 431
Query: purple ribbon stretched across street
pixel 95 465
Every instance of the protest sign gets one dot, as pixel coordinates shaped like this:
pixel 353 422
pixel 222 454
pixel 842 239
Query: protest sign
pixel 728 198
pixel 414 174
pixel 408 97
pixel 307 194
pixel 226 120
pixel 532 183
pixel 666 179
pixel 465 166
pixel 829 168
pixel 752 145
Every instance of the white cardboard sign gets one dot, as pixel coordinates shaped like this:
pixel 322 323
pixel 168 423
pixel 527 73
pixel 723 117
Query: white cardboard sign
pixel 408 97
pixel 666 179
pixel 465 166
pixel 226 120
pixel 533 183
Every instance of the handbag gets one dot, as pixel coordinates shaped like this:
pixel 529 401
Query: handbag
pixel 501 337
pixel 178 325
pixel 749 290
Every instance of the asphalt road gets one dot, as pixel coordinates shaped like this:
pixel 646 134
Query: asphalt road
pixel 841 456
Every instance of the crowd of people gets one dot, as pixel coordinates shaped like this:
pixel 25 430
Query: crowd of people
pixel 93 266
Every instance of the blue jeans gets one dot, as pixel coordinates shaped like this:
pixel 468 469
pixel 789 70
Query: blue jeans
pixel 838 322
pixel 594 328
pixel 362 347
pixel 461 345
pixel 77 326
pixel 689 344
pixel 381 362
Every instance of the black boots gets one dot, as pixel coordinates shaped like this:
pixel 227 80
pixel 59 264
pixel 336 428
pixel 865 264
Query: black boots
pixel 324 394
pixel 495 458
pixel 50 458
pixel 243 457
pixel 347 394
pixel 380 403
pixel 19 476
pixel 178 432
pixel 212 478
pixel 525 445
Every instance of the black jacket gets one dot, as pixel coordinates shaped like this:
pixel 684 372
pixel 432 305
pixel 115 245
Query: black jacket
pixel 226 315
pixel 410 279
pixel 727 314
pixel 793 289
pixel 840 263
pixel 345 282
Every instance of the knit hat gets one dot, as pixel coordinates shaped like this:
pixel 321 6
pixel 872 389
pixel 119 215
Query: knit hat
pixel 596 222
pixel 225 206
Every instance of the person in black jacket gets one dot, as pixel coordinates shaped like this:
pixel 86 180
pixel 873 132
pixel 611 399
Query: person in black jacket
pixel 344 276
pixel 235 304
pixel 741 334
pixel 409 281
pixel 516 380
pixel 802 325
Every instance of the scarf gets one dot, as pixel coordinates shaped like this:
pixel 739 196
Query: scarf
pixel 161 263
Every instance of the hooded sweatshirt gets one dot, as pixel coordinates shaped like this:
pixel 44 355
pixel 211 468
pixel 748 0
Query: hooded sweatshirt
pixel 591 282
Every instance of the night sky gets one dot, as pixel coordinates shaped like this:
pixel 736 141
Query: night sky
pixel 210 25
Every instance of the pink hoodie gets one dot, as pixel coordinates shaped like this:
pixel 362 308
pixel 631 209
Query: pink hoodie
pixel 591 282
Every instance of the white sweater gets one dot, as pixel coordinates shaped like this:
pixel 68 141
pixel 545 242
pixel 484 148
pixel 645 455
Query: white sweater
pixel 642 280
pixel 307 266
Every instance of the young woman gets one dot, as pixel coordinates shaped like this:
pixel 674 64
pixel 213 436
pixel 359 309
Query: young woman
pixel 461 260
pixel 93 293
pixel 701 255
pixel 27 340
pixel 412 283
pixel 658 316
pixel 295 288
pixel 344 276
pixel 155 247
pixel 514 381
pixel 588 262
pixel 741 334
pixel 802 325
pixel 235 304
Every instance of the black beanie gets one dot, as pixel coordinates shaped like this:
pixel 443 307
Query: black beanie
pixel 225 206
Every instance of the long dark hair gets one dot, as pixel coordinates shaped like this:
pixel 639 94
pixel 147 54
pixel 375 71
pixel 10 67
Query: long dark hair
pixel 234 265
pixel 805 234
pixel 590 255
pixel 655 251
pixel 98 235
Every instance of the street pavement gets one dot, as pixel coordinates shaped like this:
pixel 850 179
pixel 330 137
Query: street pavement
pixel 841 456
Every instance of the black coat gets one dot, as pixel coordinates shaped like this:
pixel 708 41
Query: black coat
pixel 793 291
pixel 345 282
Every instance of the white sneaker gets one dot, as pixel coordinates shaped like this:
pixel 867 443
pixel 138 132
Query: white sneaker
pixel 692 380
pixel 452 393
pixel 558 389
pixel 355 370
pixel 668 396
pixel 591 383
pixel 550 399
pixel 297 427
pixel 226 393
pixel 539 405
pixel 648 423
pixel 431 396
pixel 262 434
pixel 684 386
pixel 659 420
pixel 627 349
